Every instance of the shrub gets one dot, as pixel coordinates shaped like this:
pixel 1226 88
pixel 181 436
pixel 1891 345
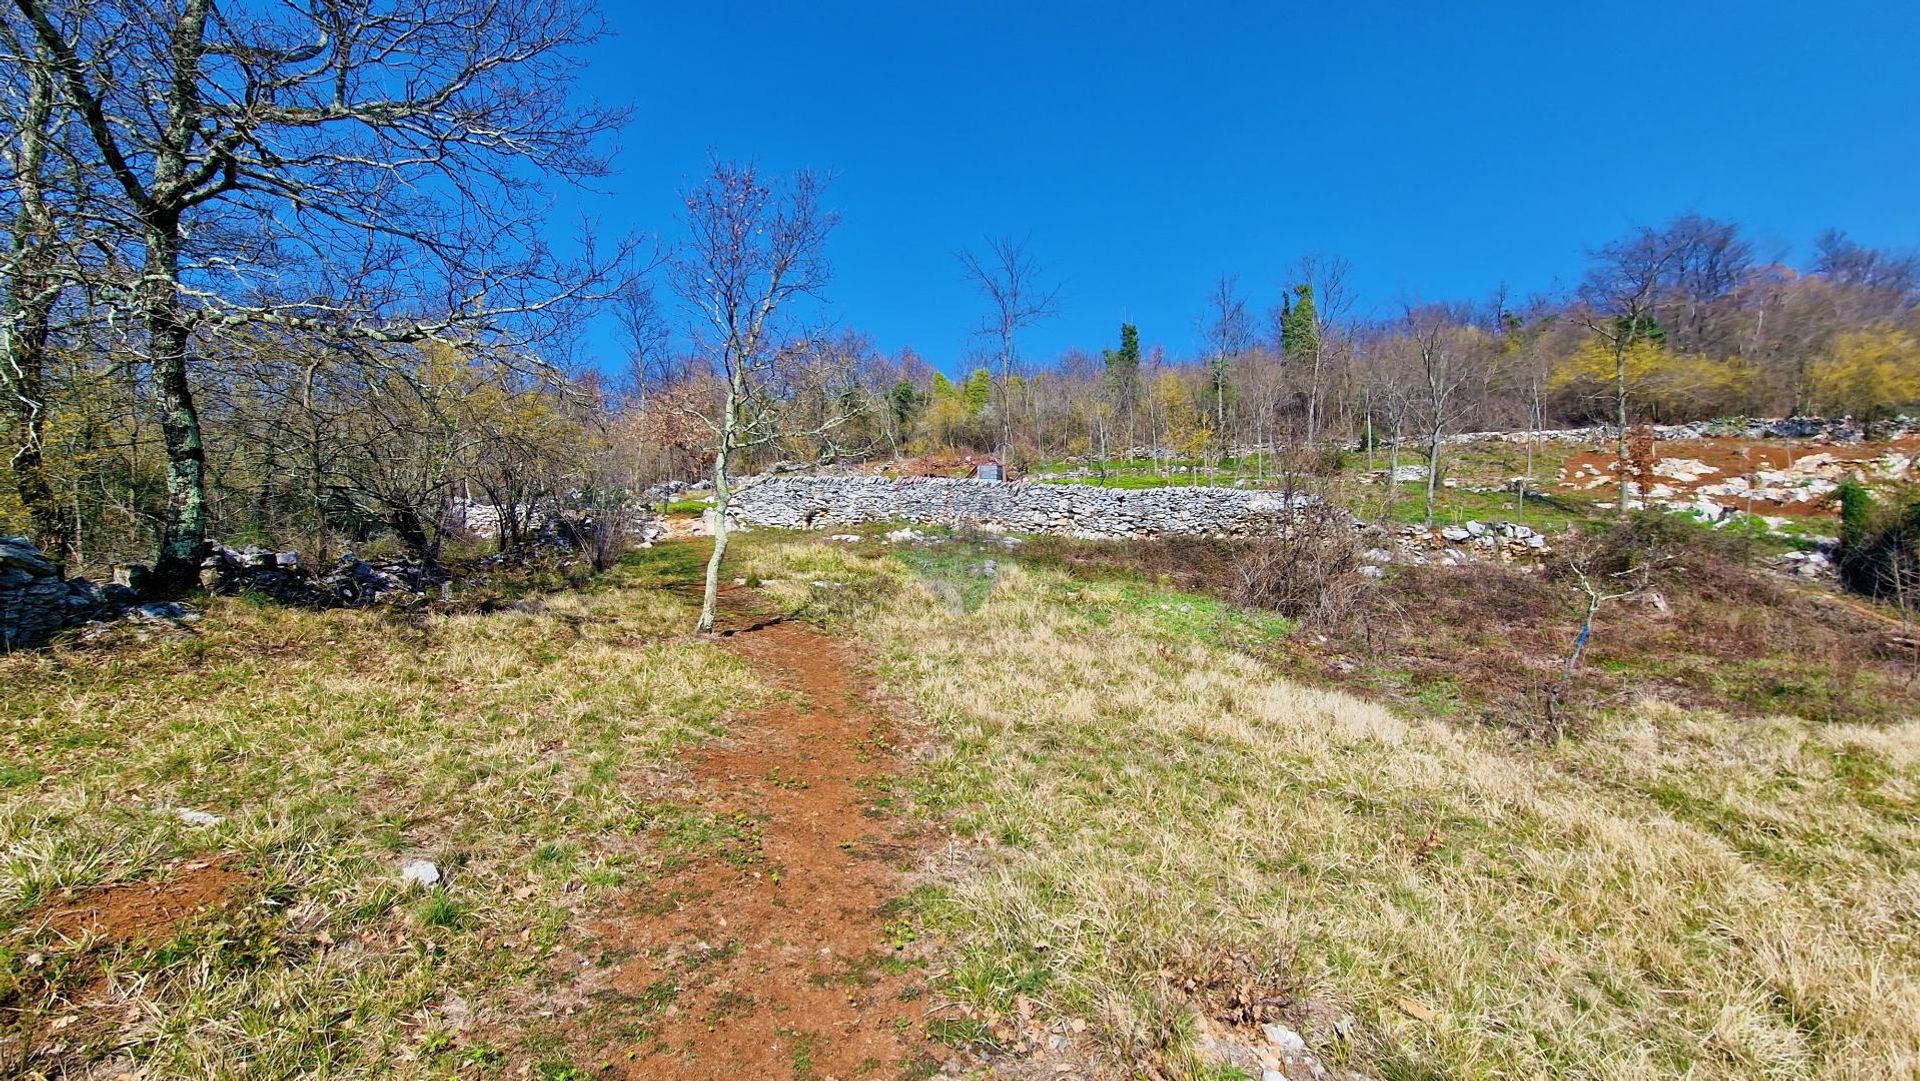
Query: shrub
pixel 1671 551
pixel 1856 512
pixel 1310 572
pixel 1885 563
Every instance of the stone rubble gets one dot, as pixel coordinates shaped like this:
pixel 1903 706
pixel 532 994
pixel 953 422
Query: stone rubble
pixel 36 602
pixel 1810 429
pixel 350 582
pixel 1277 1053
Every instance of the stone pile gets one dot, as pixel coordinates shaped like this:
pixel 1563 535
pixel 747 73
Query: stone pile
pixel 36 602
pixel 1505 542
pixel 815 502
pixel 350 582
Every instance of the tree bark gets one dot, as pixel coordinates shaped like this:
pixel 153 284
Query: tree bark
pixel 1620 416
pixel 26 323
pixel 1433 469
pixel 722 499
pixel 183 537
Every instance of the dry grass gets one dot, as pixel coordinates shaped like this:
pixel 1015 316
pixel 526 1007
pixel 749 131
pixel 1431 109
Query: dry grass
pixel 1674 893
pixel 521 751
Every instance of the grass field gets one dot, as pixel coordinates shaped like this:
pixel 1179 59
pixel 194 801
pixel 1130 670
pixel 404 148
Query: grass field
pixel 1158 822
pixel 528 752
pixel 1154 832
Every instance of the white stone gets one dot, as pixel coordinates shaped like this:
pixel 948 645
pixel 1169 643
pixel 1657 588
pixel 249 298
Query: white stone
pixel 1288 1041
pixel 196 818
pixel 422 873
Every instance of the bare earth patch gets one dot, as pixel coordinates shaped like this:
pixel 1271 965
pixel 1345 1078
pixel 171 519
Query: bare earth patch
pixel 141 911
pixel 775 959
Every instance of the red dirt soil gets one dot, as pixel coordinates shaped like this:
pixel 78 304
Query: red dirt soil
pixel 773 966
pixel 1740 458
pixel 142 911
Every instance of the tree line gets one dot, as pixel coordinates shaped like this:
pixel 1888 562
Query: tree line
pixel 1669 323
pixel 285 273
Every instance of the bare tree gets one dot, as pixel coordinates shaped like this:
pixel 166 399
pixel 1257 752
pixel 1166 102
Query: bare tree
pixel 343 166
pixel 1623 289
pixel 31 273
pixel 1228 333
pixel 752 250
pixel 648 341
pixel 1323 286
pixel 1017 292
pixel 1444 357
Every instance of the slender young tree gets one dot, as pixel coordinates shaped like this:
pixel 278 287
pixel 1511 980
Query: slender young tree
pixel 1623 289
pixel 1228 333
pixel 1018 296
pixel 752 250
pixel 1444 355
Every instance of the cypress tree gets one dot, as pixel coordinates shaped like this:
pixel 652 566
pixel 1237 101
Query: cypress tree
pixel 1299 324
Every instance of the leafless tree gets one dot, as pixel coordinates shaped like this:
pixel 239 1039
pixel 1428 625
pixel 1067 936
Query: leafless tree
pixel 1444 359
pixel 1018 296
pixel 648 340
pixel 1624 287
pixel 343 166
pixel 31 135
pixel 1228 333
pixel 1325 279
pixel 753 249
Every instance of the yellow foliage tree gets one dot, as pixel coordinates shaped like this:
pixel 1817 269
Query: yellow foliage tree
pixel 1868 373
pixel 1667 385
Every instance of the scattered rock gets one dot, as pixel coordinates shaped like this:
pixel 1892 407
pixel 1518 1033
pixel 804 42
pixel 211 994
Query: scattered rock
pixel 422 873
pixel 1285 1039
pixel 163 612
pixel 196 818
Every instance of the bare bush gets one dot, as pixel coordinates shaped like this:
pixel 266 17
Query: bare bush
pixel 1310 571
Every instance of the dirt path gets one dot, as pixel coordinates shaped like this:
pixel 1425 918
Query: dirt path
pixel 776 961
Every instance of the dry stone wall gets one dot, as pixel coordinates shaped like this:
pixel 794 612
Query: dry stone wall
pixel 813 502
pixel 36 602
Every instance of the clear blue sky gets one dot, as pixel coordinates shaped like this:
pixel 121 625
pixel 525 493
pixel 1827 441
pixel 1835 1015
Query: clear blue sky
pixel 1146 148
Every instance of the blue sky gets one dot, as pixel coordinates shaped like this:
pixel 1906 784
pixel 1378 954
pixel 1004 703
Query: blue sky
pixel 1144 149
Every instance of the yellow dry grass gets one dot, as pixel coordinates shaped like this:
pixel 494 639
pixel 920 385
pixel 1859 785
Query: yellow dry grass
pixel 1676 894
pixel 521 751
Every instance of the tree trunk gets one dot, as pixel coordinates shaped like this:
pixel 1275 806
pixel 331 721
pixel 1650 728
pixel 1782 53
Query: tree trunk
pixel 25 391
pixel 183 535
pixel 1313 394
pixel 412 531
pixel 1399 417
pixel 722 499
pixel 1620 416
pixel 1433 469
pixel 25 324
